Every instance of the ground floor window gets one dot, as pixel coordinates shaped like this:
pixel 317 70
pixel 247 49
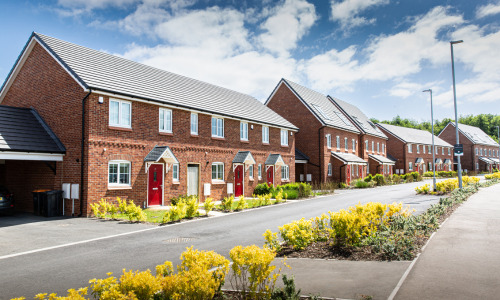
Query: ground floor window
pixel 250 171
pixel 119 173
pixel 285 172
pixel 410 166
pixel 218 171
pixel 260 171
pixel 175 172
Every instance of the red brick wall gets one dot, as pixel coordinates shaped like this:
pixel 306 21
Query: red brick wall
pixel 44 85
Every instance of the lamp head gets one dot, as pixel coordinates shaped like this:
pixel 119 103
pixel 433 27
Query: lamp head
pixel 456 42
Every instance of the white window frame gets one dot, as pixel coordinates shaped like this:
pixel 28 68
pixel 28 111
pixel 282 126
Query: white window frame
pixel 218 166
pixel 265 134
pixel 217 127
pixel 442 150
pixel 250 172
pixel 378 147
pixel 410 166
pixel 477 151
pixel 353 145
pixel 373 146
pixel 120 113
pixel 119 163
pixel 346 144
pixel 285 172
pixel 194 123
pixel 430 149
pixel 243 131
pixel 366 145
pixel 418 149
pixel 338 143
pixel 259 171
pixel 329 141
pixel 383 148
pixel 166 122
pixel 330 171
pixel 175 172
pixel 284 137
pixel 477 166
pixel 410 150
pixel 423 149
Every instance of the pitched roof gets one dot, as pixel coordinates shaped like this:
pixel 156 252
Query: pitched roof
pixel 359 118
pixel 414 136
pixel 243 157
pixel 274 159
pixel 299 155
pixel 474 134
pixel 24 130
pixel 104 72
pixel 348 157
pixel 324 110
pixel 159 152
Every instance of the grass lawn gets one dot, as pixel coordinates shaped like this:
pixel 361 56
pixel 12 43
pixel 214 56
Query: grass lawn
pixel 152 215
pixel 251 203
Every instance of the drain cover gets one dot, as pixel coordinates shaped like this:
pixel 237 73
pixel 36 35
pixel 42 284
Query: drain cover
pixel 179 240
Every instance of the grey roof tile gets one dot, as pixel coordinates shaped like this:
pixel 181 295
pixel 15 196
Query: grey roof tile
pixel 299 155
pixel 381 159
pixel 413 136
pixel 102 71
pixel 242 157
pixel 359 118
pixel 23 130
pixel 274 159
pixel 475 134
pixel 322 107
pixel 157 153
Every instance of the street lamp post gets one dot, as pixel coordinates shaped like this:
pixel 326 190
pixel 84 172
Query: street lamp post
pixel 459 165
pixel 433 149
pixel 498 156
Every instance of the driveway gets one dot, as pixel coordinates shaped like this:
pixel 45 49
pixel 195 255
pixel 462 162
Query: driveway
pixel 68 252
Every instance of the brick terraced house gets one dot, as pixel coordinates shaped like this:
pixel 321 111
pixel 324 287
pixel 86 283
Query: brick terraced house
pixel 372 139
pixel 328 142
pixel 481 153
pixel 412 150
pixel 137 132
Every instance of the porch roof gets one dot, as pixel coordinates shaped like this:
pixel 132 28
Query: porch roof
pixel 419 160
pixel 24 135
pixel 486 160
pixel 381 159
pixel 244 157
pixel 161 152
pixel 349 158
pixel 275 159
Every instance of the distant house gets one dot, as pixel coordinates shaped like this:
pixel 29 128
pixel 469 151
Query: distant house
pixel 134 131
pixel 481 153
pixel 371 139
pixel 412 149
pixel 328 141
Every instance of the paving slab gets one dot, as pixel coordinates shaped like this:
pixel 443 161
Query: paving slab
pixel 462 261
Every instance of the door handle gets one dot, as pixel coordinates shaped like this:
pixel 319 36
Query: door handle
pixel 154 189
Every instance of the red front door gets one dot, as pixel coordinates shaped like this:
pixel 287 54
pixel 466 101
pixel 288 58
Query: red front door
pixel 155 190
pixel 348 174
pixel 238 181
pixel 270 175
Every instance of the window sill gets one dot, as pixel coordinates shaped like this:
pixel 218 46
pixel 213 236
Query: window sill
pixel 194 135
pixel 218 182
pixel 165 133
pixel 119 187
pixel 250 179
pixel 284 146
pixel 265 144
pixel 285 180
pixel 176 182
pixel 245 141
pixel 120 128
pixel 218 138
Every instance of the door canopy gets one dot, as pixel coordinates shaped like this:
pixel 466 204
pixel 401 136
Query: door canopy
pixel 244 157
pixel 275 160
pixel 162 153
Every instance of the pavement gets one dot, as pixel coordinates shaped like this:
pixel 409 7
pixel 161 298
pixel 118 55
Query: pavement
pixel 460 261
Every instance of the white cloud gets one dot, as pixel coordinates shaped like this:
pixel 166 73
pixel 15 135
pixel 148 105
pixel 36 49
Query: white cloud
pixel 406 89
pixel 77 7
pixel 488 10
pixel 286 25
pixel 347 12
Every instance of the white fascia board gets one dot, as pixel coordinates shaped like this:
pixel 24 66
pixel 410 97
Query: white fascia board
pixel 31 156
pixel 119 96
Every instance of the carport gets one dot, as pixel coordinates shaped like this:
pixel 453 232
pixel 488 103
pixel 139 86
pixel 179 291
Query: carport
pixel 30 154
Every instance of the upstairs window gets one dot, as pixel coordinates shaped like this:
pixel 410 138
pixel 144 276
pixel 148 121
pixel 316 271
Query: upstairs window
pixel 442 150
pixel 119 173
pixel 120 113
pixel 423 149
pixel 409 148
pixel 477 151
pixel 373 147
pixel 418 148
pixel 353 145
pixel 366 145
pixel 284 137
pixel 430 150
pixel 217 127
pixel 328 141
pixel 383 148
pixel 378 147
pixel 346 146
pixel 265 134
pixel 244 131
pixel 338 142
pixel 165 120
pixel 194 124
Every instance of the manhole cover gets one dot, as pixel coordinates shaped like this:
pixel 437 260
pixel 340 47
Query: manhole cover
pixel 179 240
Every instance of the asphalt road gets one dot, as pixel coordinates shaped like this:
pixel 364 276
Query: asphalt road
pixel 61 268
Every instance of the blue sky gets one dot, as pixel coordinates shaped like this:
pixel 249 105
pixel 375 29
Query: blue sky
pixel 376 54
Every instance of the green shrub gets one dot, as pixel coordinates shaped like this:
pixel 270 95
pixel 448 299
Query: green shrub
pixel 263 189
pixel 428 174
pixel 192 207
pixel 227 203
pixel 368 178
pixel 379 179
pixel 208 205
pixel 396 179
pixel 241 203
pixel 361 184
